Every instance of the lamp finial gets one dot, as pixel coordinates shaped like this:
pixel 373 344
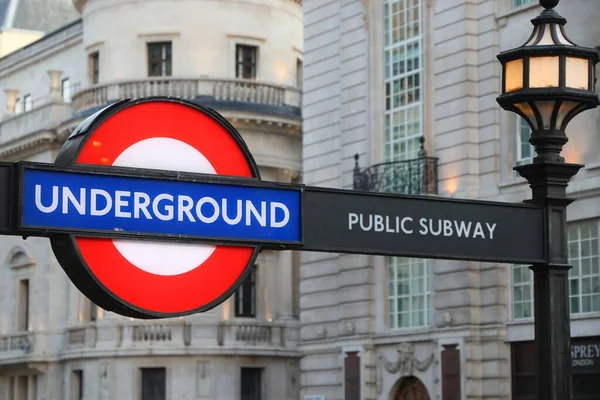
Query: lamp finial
pixel 548 4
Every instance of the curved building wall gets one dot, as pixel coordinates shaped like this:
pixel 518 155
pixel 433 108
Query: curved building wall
pixel 203 35
pixel 65 335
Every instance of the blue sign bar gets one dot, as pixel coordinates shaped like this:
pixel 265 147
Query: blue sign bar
pixel 77 201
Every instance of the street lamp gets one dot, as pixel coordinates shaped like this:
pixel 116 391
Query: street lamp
pixel 548 81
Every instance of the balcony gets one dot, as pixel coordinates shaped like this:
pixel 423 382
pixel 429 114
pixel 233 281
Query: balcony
pixel 248 335
pixel 16 346
pixel 415 176
pixel 180 337
pixel 237 94
pixel 20 130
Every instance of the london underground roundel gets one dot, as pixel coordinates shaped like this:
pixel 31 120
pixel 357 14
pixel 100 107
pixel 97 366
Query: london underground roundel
pixel 153 279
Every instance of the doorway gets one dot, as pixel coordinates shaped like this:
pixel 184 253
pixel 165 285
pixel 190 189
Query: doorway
pixel 410 388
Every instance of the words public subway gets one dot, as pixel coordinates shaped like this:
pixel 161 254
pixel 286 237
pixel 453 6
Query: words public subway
pixel 163 206
pixel 395 224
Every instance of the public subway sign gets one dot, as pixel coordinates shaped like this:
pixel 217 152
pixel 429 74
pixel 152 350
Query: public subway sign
pixel 421 226
pixel 155 208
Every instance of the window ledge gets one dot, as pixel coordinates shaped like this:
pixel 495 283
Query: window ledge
pixel 591 315
pixel 517 322
pixel 512 182
pixel 407 331
pixel 576 317
pixel 593 166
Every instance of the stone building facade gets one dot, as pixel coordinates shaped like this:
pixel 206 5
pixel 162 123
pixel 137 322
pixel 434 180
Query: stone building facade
pixel 380 75
pixel 243 58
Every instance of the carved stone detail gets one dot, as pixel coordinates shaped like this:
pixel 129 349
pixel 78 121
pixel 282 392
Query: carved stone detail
pixel 286 175
pixel 405 364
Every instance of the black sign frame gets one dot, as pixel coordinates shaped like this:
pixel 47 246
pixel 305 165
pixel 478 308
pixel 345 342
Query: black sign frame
pixel 143 173
pixel 523 252
pixel 314 217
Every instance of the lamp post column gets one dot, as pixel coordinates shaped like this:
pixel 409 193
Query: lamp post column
pixel 548 81
pixel 548 181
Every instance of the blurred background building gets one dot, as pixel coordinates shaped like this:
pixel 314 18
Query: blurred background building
pixel 61 62
pixel 410 86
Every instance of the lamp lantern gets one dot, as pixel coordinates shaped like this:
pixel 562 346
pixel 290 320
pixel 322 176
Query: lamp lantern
pixel 548 81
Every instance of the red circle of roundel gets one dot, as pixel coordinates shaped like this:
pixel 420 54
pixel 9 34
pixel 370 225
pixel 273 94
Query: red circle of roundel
pixel 205 284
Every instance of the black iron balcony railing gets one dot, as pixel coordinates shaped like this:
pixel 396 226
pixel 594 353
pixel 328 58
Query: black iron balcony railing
pixel 415 176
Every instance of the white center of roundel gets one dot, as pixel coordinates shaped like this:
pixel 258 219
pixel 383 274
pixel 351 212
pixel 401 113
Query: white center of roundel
pixel 164 258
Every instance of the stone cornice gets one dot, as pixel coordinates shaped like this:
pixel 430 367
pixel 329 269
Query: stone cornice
pixel 34 141
pixel 275 125
pixel 278 126
pixel 244 350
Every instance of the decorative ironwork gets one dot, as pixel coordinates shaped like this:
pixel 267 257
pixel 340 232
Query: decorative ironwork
pixel 415 176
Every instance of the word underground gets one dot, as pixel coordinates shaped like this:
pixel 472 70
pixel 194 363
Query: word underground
pixel 425 226
pixel 164 207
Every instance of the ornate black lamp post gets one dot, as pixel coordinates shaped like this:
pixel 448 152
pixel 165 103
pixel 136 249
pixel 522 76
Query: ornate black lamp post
pixel 548 81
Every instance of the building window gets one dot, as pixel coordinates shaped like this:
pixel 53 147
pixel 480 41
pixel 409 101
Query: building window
pixel 159 59
pixel 94 62
pixel 245 296
pixel 27 103
pixel 92 311
pixel 524 151
pixel 18 106
pixel 584 276
pixel 299 72
pixel 251 384
pixel 403 63
pixel 245 61
pixel 154 384
pixel 23 305
pixel 11 388
pixel 519 3
pixel 65 90
pixel 409 297
pixel 522 284
pixel 23 387
pixel 77 385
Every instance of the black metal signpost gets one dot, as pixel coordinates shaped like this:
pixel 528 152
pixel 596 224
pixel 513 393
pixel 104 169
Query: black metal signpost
pixel 95 197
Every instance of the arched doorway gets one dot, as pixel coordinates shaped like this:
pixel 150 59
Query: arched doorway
pixel 410 388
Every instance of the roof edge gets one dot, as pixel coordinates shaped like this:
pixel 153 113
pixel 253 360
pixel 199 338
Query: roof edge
pixel 43 38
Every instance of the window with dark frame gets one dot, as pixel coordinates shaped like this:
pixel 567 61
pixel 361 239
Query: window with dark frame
pixel 23 387
pixel 251 384
pixel 159 59
pixel 154 383
pixel 18 106
pixel 245 296
pixel 94 67
pixel 65 90
pixel 299 72
pixel 27 103
pixel 245 61
pixel 93 311
pixel 77 385
pixel 23 305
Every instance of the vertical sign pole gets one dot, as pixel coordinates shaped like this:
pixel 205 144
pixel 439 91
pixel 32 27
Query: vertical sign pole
pixel 548 181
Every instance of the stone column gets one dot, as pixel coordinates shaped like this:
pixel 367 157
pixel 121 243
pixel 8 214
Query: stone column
pixel 285 288
pixel 55 84
pixel 11 100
